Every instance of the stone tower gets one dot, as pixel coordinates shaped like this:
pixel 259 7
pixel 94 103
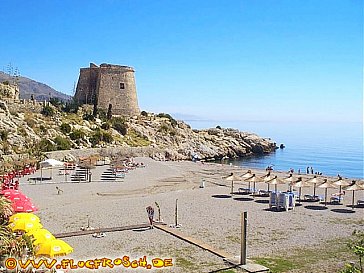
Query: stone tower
pixel 108 86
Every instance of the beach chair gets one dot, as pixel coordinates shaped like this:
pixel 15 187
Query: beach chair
pixel 312 198
pixel 263 193
pixel 336 198
pixel 273 202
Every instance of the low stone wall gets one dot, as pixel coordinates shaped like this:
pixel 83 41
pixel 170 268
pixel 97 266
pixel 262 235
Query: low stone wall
pixel 22 106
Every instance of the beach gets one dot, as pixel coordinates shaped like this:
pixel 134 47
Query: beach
pixel 209 214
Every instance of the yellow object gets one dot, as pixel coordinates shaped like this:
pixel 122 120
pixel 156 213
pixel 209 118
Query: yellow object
pixel 30 217
pixel 41 236
pixel 54 248
pixel 24 225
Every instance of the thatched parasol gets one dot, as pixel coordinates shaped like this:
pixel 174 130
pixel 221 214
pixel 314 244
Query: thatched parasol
pixel 232 177
pixel 325 186
pixel 275 181
pixel 253 179
pixel 314 181
pixel 353 187
pixel 299 183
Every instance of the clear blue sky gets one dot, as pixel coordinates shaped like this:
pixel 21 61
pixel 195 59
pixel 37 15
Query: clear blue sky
pixel 289 60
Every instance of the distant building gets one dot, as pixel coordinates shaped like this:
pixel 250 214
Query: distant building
pixel 109 87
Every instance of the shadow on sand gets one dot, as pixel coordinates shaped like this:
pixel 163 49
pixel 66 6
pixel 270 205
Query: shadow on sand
pixel 274 210
pixel 343 210
pixel 262 201
pixel 316 207
pixel 243 199
pixel 221 196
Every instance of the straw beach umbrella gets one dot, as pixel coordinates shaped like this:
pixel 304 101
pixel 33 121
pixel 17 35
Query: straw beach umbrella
pixel 354 187
pixel 253 179
pixel 341 183
pixel 247 175
pixel 300 184
pixel 275 181
pixel 325 186
pixel 232 177
pixel 266 178
pixel 314 181
pixel 290 179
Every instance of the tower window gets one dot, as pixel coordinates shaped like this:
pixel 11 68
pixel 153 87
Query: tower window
pixel 122 85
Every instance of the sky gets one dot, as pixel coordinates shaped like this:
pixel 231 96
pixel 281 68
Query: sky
pixel 266 60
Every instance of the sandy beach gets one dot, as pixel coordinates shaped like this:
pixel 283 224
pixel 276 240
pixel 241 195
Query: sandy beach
pixel 210 214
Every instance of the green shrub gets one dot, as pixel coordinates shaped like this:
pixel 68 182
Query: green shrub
pixel 77 134
pixel 89 117
pixel 6 83
pixel 96 137
pixel 4 135
pixel 47 111
pixel 218 127
pixel 56 102
pixel 119 125
pixel 107 137
pixel 45 146
pixel 168 116
pixel 62 143
pixel 106 126
pixel 100 136
pixel 65 128
pixel 102 114
pixel 143 113
pixel 164 128
pixel 71 106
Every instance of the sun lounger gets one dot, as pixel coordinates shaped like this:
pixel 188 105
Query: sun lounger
pixel 336 198
pixel 263 193
pixel 247 190
pixel 310 197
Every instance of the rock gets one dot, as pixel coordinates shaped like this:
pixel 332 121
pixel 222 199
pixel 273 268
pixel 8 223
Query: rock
pixel 4 108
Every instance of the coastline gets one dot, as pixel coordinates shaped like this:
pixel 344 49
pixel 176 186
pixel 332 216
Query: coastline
pixel 209 214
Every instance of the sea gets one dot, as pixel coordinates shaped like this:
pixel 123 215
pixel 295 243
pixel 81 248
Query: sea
pixel 329 148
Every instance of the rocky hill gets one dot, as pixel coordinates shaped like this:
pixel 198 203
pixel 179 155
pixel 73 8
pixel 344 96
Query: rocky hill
pixel 28 87
pixel 166 138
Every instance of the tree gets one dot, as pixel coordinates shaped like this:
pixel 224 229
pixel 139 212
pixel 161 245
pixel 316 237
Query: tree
pixel 47 111
pixel 109 112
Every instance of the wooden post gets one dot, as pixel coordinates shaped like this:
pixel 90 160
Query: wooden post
pixel 244 221
pixel 232 186
pixel 176 213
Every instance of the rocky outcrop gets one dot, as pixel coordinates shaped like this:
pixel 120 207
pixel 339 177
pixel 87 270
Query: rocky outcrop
pixel 165 138
pixel 179 141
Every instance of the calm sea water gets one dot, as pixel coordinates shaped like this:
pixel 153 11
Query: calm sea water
pixel 330 148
